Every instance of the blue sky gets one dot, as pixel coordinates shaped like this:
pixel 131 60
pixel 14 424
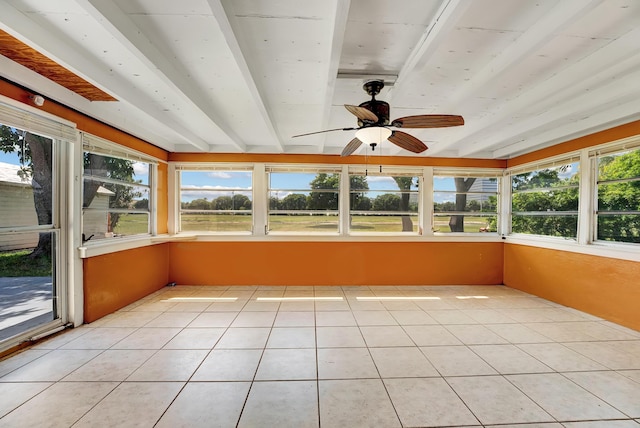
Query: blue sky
pixel 240 182
pixel 225 182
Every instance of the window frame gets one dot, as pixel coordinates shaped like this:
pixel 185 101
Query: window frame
pixel 552 162
pixel 301 169
pixel 497 174
pixel 387 171
pixel 208 167
pixel 627 145
pixel 96 145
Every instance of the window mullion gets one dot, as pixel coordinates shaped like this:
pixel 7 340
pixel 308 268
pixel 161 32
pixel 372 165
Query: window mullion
pixel 260 198
pixel 584 199
pixel 427 201
pixel 343 200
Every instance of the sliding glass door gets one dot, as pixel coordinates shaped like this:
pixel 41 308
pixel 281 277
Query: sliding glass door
pixel 31 296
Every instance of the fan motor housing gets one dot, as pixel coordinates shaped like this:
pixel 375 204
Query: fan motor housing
pixel 380 109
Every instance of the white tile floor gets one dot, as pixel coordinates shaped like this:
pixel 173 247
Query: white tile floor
pixel 353 357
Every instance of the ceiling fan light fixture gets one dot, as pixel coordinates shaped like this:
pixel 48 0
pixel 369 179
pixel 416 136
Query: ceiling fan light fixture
pixel 373 134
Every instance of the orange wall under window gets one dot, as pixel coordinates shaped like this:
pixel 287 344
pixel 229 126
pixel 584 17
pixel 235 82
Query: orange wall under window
pixel 335 263
pixel 114 280
pixel 605 287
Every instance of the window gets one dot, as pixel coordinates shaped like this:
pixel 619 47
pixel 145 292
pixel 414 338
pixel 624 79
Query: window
pixel 545 200
pixel 618 207
pixel 117 197
pixel 465 203
pixel 384 202
pixel 216 200
pixel 303 199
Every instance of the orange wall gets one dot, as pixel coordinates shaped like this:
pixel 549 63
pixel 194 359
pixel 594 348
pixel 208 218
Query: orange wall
pixel 115 280
pixel 337 159
pixel 335 263
pixel 605 287
pixel 597 138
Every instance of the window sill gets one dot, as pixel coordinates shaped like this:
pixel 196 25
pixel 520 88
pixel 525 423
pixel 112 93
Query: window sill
pixel 611 250
pixel 306 237
pixel 114 245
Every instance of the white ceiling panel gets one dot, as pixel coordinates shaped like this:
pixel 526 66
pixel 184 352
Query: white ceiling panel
pixel 245 76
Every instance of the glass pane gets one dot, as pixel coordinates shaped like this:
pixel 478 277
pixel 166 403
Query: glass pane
pixel 303 181
pixel 27 289
pixel 216 222
pixel 321 222
pixel 121 196
pixel 112 184
pixel 379 203
pixel 477 202
pixel 565 226
pixel 100 166
pixel 216 201
pixel 224 200
pixel 619 196
pixel 470 223
pixel 241 180
pixel 546 201
pixel 123 224
pixel 618 166
pixel 564 175
pixel 303 202
pixel 26 180
pixel 620 228
pixel 378 222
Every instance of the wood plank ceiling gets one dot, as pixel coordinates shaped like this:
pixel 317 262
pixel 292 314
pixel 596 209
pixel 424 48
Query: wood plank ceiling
pixel 244 76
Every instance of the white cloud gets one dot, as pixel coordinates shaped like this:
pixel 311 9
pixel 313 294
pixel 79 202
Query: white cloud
pixel 140 168
pixel 219 174
pixel 213 192
pixel 380 179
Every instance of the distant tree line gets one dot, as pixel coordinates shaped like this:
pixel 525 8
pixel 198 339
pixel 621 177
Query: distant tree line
pixel 235 202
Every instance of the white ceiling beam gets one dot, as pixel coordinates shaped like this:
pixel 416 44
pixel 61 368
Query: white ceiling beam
pixel 589 104
pixel 44 41
pixel 438 29
pixel 341 17
pixel 591 71
pixel 124 30
pixel 536 36
pixel 227 27
pixel 163 136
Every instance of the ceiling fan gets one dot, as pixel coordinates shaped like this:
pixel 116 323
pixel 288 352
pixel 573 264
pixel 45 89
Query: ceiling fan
pixel 373 124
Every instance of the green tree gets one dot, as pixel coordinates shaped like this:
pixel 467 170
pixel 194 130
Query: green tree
pixel 358 201
pixel 404 184
pixel 199 204
pixel 620 196
pixel 319 200
pixel 556 194
pixel 222 203
pixel 294 202
pixel 275 203
pixel 36 155
pixel 241 202
pixel 463 184
pixel 387 202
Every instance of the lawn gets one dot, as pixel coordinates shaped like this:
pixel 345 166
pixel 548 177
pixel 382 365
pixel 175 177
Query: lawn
pixel 18 263
pixel 308 223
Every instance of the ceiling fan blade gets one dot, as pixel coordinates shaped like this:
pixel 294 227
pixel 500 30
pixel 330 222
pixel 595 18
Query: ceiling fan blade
pixel 326 130
pixel 362 113
pixel 407 142
pixel 428 121
pixel 351 147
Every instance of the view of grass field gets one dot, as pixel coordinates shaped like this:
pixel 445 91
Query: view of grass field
pixel 18 263
pixel 132 224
